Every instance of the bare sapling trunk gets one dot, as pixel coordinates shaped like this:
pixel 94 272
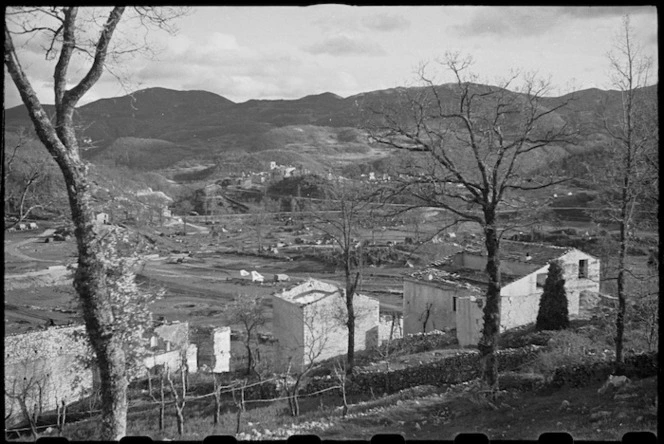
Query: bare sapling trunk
pixel 239 403
pixel 162 400
pixel 61 417
pixel 340 373
pixel 179 399
pixel 217 399
pixel 30 417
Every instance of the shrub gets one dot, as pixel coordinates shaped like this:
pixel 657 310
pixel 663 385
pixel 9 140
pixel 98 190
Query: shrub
pixel 565 348
pixel 553 313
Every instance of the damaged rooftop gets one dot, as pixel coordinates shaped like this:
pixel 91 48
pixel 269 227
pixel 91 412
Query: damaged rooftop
pixel 448 272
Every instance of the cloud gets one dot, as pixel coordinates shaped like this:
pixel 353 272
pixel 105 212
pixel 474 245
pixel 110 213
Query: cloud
pixel 385 22
pixel 525 21
pixel 590 12
pixel 341 45
pixel 509 22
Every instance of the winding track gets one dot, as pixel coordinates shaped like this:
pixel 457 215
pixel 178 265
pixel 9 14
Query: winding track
pixel 12 248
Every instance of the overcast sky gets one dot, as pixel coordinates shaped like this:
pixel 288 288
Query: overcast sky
pixel 245 53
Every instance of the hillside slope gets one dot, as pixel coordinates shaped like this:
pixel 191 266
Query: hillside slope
pixel 199 126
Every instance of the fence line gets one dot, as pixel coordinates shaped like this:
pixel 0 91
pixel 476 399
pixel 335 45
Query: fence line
pixel 228 389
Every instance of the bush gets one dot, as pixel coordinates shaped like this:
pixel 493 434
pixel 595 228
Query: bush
pixel 565 348
pixel 523 336
pixel 553 313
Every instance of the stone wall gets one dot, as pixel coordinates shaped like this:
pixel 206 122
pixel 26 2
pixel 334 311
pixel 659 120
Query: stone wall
pixel 47 368
pixel 454 369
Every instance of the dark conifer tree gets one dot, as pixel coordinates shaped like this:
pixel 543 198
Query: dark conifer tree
pixel 553 312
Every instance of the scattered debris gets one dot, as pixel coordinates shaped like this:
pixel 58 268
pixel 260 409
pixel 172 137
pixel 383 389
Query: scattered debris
pixel 256 276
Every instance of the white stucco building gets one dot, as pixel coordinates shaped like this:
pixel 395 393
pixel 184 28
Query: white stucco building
pixel 451 296
pixel 309 323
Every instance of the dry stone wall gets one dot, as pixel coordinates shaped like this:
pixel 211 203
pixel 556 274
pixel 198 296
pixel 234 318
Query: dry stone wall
pixel 448 370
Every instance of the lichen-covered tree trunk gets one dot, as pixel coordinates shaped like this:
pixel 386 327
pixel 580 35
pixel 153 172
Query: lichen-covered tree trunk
pixel 488 343
pixel 90 278
pixel 90 284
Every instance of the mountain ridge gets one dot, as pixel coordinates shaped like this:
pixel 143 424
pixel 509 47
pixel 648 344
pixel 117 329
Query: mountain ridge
pixel 198 125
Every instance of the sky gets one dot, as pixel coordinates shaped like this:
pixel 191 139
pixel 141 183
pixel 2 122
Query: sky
pixel 288 52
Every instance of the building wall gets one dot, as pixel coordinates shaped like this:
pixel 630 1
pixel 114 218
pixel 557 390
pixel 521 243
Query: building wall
pixel 477 262
pixel 214 347
pixel 469 318
pixel 575 285
pixel 325 330
pixel 288 330
pixel 48 359
pixel 520 299
pixel 417 295
pixel 325 334
pixel 176 333
pixel 519 303
pixel 317 330
pixel 390 326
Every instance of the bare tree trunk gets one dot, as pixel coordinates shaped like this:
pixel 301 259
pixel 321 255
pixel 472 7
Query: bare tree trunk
pixel 620 317
pixel 250 357
pixel 162 402
pixel 488 343
pixel 62 417
pixel 351 286
pixel 90 279
pixel 217 399
pixel 240 407
pixel 179 400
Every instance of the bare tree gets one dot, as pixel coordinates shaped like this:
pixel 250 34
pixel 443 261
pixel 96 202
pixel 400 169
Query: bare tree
pixel 28 177
pixel 28 391
pixel 248 311
pixel 347 206
pixel 69 34
pixel 341 374
pixel 180 399
pixel 477 143
pixel 630 179
pixel 425 315
pixel 318 327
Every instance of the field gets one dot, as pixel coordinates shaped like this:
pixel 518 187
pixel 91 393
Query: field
pixel 201 283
